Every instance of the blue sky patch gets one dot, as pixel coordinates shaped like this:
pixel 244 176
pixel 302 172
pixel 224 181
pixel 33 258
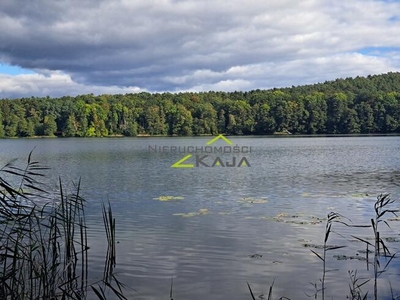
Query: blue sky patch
pixel 378 51
pixel 13 70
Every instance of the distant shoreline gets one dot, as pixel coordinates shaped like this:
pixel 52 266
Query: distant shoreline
pixel 205 135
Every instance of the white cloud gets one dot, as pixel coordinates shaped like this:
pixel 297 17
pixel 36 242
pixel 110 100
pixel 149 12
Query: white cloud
pixel 172 45
pixel 223 85
pixel 54 84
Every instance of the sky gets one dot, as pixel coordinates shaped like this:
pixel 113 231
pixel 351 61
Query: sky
pixel 71 47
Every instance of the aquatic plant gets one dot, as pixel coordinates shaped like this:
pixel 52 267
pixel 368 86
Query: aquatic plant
pixel 383 207
pixel 168 198
pixel 200 212
pixel 43 239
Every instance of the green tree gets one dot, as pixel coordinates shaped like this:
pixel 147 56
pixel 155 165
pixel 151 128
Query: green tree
pixel 350 122
pixel 391 124
pixel 264 122
pixel 2 133
pixel 49 125
pixel 81 117
pixel 155 120
pixel 221 122
pixel 204 119
pixel 131 129
pixel 180 120
pixel 25 128
pixel 71 127
pixel 278 101
pixel 366 117
pixel 337 105
pixel 316 112
pixel 11 126
pixel 392 107
pixel 297 116
pixel 240 118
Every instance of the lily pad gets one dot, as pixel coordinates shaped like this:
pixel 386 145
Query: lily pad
pixel 345 257
pixel 309 195
pixel 307 245
pixel 391 239
pixel 188 215
pixel 315 246
pixel 168 198
pixel 203 211
pixel 359 195
pixel 256 255
pixel 251 200
pixel 299 219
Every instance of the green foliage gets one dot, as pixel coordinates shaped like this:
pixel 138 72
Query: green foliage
pixel 2 134
pixel 352 105
pixel 71 126
pixel 49 125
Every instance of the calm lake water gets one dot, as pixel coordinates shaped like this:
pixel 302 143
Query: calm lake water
pixel 207 238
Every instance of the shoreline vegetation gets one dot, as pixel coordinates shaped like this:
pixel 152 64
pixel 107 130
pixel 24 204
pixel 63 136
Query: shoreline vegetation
pixel 360 105
pixel 275 134
pixel 44 242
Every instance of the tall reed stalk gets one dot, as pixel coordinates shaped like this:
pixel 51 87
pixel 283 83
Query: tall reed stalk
pixel 382 207
pixel 43 238
pixel 332 217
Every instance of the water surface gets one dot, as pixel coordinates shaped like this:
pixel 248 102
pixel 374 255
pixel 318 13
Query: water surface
pixel 208 237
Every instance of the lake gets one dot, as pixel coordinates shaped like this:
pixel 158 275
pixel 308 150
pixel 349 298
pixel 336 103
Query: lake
pixel 213 229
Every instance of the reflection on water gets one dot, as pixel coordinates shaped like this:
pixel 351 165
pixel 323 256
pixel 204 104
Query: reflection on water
pixel 221 227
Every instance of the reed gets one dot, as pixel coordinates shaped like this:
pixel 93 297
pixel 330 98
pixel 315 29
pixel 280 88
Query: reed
pixel 43 239
pixel 383 207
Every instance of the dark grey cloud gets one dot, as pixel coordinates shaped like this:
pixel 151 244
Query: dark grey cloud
pixel 169 45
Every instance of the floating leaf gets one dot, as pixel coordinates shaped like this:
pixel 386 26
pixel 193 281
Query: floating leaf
pixel 256 255
pixel 299 219
pixel 203 211
pixel 345 257
pixel 251 200
pixel 391 239
pixel 188 215
pixel 168 198
pixel 298 222
pixel 307 245
pixel 309 195
pixel 281 215
pixel 315 246
pixel 359 195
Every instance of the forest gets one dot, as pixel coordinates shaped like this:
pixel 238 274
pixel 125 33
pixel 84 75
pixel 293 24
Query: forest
pixel 352 105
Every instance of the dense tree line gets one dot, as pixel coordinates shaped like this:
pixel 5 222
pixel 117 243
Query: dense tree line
pixel 352 105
